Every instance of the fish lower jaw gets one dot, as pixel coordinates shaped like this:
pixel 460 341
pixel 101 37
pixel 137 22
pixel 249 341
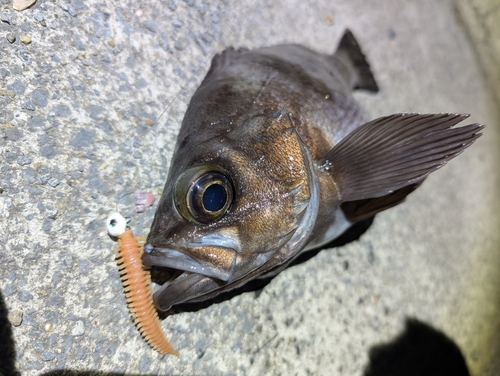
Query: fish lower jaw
pixel 176 290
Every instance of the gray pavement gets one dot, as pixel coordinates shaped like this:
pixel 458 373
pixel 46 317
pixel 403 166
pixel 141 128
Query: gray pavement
pixel 82 84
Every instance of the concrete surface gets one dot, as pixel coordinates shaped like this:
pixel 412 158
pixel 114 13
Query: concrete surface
pixel 82 84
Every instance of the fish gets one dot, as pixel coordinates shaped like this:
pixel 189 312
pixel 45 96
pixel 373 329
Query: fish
pixel 275 158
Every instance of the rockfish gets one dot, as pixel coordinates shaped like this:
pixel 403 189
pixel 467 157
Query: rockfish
pixel 274 158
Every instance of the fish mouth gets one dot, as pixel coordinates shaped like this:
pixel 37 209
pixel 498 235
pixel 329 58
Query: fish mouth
pixel 195 263
pixel 206 260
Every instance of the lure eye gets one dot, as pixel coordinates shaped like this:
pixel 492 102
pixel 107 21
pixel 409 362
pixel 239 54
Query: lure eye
pixel 116 224
pixel 203 194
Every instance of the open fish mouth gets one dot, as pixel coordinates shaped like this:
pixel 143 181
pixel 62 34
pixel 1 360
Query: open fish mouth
pixel 209 261
pixel 195 263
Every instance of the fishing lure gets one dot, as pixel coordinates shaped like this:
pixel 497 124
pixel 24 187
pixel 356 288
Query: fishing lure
pixel 136 285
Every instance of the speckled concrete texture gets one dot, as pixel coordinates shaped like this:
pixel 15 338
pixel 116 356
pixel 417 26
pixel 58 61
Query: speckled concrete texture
pixel 91 98
pixel 481 19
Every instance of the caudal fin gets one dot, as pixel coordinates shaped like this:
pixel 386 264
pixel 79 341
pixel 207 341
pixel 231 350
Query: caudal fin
pixel 349 48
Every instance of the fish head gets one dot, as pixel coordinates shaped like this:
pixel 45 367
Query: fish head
pixel 232 201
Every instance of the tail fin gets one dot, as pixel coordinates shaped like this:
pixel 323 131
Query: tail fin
pixel 349 48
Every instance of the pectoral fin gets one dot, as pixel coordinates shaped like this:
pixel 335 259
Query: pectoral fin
pixel 390 153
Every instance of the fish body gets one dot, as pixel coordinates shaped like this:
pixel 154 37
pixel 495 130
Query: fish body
pixel 274 158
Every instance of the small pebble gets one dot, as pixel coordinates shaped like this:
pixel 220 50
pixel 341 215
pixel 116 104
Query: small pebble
pixel 25 39
pixel 38 16
pixel 52 214
pixel 68 260
pixel 28 106
pixel 47 356
pixel 22 4
pixel 151 26
pixel 40 97
pixel 44 179
pixel 5 18
pixel 180 44
pixel 11 38
pixel 144 364
pixel 24 160
pixel 79 329
pixel 172 5
pixel 9 289
pixel 53 182
pixel 17 87
pixel 48 327
pixel 47 226
pixel 4 72
pixel 25 296
pixel 15 317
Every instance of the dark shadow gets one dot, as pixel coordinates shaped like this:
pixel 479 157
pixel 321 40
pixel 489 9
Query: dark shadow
pixel 352 234
pixel 419 350
pixel 70 372
pixel 7 346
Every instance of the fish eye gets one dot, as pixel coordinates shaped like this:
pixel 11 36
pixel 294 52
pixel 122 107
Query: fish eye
pixel 203 194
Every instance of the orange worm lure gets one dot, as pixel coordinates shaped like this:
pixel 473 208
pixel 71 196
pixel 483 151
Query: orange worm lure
pixel 137 285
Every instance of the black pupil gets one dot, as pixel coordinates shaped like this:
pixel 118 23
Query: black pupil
pixel 214 198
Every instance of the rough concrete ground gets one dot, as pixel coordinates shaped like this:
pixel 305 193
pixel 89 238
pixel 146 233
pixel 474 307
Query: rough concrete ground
pixel 82 84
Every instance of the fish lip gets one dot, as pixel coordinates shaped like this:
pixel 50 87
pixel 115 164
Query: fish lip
pixel 172 292
pixel 175 259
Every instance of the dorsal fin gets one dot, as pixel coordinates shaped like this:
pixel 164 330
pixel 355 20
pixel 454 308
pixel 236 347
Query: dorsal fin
pixel 349 50
pixel 225 58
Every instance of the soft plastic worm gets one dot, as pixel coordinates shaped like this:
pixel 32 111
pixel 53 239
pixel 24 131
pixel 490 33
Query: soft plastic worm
pixel 137 286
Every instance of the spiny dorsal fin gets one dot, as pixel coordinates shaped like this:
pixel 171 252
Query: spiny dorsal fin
pixel 394 151
pixel 224 59
pixel 349 47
